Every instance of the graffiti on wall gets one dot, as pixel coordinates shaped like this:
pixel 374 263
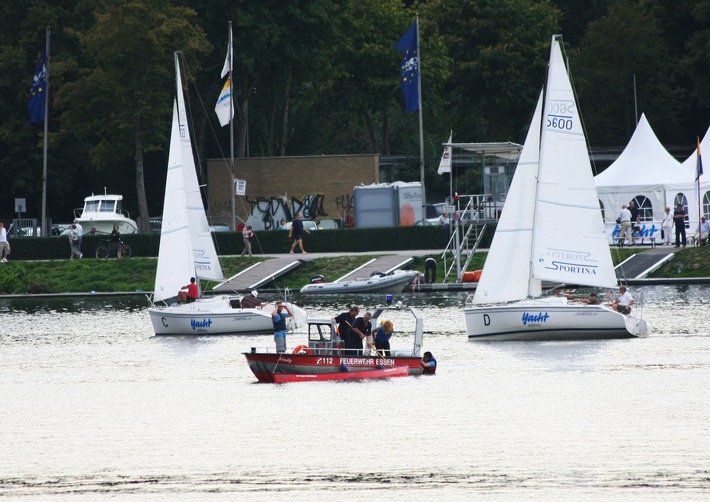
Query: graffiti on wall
pixel 266 212
pixel 344 203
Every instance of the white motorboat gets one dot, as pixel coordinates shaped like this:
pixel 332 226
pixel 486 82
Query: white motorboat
pixel 551 229
pixel 187 250
pixel 101 212
pixel 392 282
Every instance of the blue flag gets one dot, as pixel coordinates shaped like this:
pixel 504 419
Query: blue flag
pixel 410 69
pixel 38 93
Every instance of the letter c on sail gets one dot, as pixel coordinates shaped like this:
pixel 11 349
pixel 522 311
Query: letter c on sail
pixel 486 320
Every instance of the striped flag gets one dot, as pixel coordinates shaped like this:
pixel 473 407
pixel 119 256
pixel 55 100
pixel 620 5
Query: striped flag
pixel 224 108
pixel 699 165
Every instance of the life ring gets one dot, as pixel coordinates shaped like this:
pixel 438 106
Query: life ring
pixel 302 349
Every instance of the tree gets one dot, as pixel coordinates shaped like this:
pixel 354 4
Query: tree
pixel 626 43
pixel 122 97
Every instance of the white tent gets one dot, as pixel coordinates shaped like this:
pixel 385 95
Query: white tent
pixel 644 169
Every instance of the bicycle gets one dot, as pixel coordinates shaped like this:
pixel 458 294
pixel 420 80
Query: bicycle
pixel 106 249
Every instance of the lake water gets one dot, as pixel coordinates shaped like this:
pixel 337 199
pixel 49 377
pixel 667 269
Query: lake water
pixel 93 406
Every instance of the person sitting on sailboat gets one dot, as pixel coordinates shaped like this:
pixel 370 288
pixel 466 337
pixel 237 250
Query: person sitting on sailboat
pixel 624 303
pixel 188 293
pixel 250 301
pixel 592 299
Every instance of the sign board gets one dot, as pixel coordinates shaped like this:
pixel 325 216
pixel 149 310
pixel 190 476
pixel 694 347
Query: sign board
pixel 241 187
pixel 20 206
pixel 449 209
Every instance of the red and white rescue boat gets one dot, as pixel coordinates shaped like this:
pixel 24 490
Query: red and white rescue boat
pixel 324 358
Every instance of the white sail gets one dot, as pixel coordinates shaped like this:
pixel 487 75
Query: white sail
pixel 569 241
pixel 206 261
pixel 506 275
pixel 174 254
pixel 186 246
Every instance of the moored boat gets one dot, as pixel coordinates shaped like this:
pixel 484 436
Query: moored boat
pixel 325 356
pixel 392 282
pixel 101 212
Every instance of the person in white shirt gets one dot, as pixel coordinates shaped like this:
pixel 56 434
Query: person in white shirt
pixel 667 226
pixel 623 304
pixel 625 226
pixel 4 244
pixel 701 238
pixel 79 237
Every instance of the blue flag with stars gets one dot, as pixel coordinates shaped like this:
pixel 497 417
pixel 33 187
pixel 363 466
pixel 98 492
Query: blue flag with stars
pixel 38 93
pixel 409 82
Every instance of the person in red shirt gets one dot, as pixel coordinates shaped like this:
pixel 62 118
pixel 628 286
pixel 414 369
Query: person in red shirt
pixel 191 294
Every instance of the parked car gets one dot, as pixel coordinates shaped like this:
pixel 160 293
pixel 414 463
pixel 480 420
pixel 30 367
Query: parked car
pixel 327 224
pixel 309 225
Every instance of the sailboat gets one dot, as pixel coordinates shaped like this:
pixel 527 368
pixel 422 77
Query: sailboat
pixel 551 229
pixel 187 250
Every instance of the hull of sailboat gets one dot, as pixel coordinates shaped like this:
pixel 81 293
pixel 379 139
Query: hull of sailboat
pixel 394 283
pixel 540 321
pixel 217 316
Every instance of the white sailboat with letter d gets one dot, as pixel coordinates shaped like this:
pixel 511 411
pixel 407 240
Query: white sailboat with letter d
pixel 551 229
pixel 187 250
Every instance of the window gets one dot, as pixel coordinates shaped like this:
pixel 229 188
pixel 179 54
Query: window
pixel 645 208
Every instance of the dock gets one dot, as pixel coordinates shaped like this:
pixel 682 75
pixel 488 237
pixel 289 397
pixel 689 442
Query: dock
pixel 639 265
pixel 258 275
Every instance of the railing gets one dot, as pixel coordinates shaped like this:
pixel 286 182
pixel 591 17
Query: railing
pixel 478 210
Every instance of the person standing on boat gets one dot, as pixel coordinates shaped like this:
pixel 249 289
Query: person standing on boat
pixel 679 221
pixel 278 316
pixel 625 226
pixel 667 226
pixel 382 335
pixel 428 364
pixel 247 236
pixel 296 232
pixel 345 320
pixel 4 244
pixel 624 303
pixel 359 331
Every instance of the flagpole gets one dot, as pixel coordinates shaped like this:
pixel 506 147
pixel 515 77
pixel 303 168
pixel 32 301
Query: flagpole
pixel 231 135
pixel 421 124
pixel 43 224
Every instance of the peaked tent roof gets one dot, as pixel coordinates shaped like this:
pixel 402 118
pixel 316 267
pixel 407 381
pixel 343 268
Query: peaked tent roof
pixel 644 164
pixel 689 165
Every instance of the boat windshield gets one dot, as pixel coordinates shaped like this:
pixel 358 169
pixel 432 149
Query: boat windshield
pixel 91 206
pixel 107 206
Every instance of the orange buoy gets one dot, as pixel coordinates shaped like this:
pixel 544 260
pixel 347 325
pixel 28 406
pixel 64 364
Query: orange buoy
pixel 302 349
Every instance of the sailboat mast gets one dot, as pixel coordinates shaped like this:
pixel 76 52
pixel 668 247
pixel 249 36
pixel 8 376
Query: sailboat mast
pixel 545 88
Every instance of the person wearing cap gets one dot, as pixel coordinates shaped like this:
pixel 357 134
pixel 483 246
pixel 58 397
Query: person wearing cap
pixel 250 301
pixel 278 317
pixel 79 236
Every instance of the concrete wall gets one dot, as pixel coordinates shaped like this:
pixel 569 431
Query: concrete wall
pixel 319 187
